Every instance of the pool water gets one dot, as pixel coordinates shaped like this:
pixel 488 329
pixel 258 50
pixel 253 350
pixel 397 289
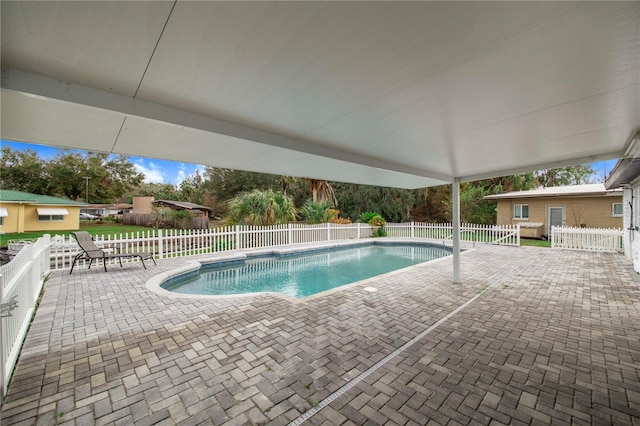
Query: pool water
pixel 305 274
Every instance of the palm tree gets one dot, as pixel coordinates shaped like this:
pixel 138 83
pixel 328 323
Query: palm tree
pixel 322 191
pixel 287 182
pixel 261 208
pixel 316 212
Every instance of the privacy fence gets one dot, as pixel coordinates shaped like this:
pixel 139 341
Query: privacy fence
pixel 588 239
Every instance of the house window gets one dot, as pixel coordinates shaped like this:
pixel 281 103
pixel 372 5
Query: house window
pixel 50 217
pixel 521 211
pixel 616 210
pixel 3 213
pixel 1 220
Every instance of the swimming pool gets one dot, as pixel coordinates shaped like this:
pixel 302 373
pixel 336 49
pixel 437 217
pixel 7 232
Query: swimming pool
pixel 302 274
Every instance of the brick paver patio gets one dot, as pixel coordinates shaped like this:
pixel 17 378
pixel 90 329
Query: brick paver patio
pixel 550 337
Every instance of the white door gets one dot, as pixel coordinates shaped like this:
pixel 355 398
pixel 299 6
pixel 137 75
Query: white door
pixel 556 218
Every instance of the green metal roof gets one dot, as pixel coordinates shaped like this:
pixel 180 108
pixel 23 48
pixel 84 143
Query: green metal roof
pixel 26 197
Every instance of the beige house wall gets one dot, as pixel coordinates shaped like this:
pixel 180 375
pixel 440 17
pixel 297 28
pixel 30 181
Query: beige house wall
pixel 24 218
pixel 592 212
pixel 13 222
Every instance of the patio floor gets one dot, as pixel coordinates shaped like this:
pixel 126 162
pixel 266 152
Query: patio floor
pixel 532 336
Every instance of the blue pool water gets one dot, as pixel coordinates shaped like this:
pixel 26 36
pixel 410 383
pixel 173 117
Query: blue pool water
pixel 305 274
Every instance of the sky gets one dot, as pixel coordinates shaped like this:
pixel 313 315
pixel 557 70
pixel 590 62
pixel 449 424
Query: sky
pixel 173 172
pixel 154 170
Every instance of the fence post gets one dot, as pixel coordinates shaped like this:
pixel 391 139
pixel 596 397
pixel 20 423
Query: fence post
pixel 160 245
pixel 289 233
pixel 238 237
pixel 518 235
pixel 328 231
pixel 553 240
pixel 358 230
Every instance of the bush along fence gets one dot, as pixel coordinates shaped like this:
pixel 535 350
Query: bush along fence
pixel 21 282
pixel 588 239
pixel 167 243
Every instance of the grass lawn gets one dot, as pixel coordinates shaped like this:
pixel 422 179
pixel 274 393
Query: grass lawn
pixel 94 228
pixel 534 243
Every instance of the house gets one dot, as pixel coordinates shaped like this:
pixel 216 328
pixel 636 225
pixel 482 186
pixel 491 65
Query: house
pixel 105 210
pixel 26 212
pixel 537 210
pixel 626 176
pixel 195 209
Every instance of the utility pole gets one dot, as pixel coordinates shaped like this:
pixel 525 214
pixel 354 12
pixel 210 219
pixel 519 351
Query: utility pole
pixel 86 191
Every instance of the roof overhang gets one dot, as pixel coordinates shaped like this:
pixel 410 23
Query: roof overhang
pixel 573 191
pixel 404 94
pixel 626 169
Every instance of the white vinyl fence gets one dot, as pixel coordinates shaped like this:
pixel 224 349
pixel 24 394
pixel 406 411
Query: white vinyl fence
pixel 21 281
pixel 167 243
pixel 490 234
pixel 188 242
pixel 589 239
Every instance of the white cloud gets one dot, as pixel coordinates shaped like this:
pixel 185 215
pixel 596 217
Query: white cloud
pixel 152 172
pixel 182 174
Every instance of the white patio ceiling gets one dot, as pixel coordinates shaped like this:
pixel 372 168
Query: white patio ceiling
pixel 406 94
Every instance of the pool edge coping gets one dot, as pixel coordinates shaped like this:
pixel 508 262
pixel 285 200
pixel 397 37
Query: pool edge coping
pixel 154 284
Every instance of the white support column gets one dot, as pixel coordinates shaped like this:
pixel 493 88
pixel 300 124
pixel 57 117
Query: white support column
pixel 455 221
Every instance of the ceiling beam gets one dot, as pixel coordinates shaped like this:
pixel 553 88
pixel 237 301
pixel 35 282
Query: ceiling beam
pixel 59 91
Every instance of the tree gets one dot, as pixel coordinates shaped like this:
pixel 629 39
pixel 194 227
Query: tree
pixel 473 207
pixel 287 182
pixel 24 171
pixel 322 191
pixel 432 205
pixel 572 175
pixel 261 208
pixel 192 189
pixel 393 203
pixel 109 176
pixel 226 184
pixel 68 171
pixel 159 191
pixel 316 211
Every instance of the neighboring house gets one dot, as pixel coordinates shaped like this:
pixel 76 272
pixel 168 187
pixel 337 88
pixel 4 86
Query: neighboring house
pixel 537 210
pixel 626 175
pixel 105 210
pixel 26 212
pixel 195 209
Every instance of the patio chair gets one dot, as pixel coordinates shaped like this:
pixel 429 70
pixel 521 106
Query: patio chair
pixel 92 252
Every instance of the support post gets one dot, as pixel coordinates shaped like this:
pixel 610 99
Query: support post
pixel 455 220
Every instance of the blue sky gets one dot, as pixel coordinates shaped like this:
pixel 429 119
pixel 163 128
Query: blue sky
pixel 164 171
pixel 155 171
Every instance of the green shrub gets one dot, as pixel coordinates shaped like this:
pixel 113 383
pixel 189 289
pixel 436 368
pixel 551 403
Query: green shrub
pixel 380 232
pixel 372 218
